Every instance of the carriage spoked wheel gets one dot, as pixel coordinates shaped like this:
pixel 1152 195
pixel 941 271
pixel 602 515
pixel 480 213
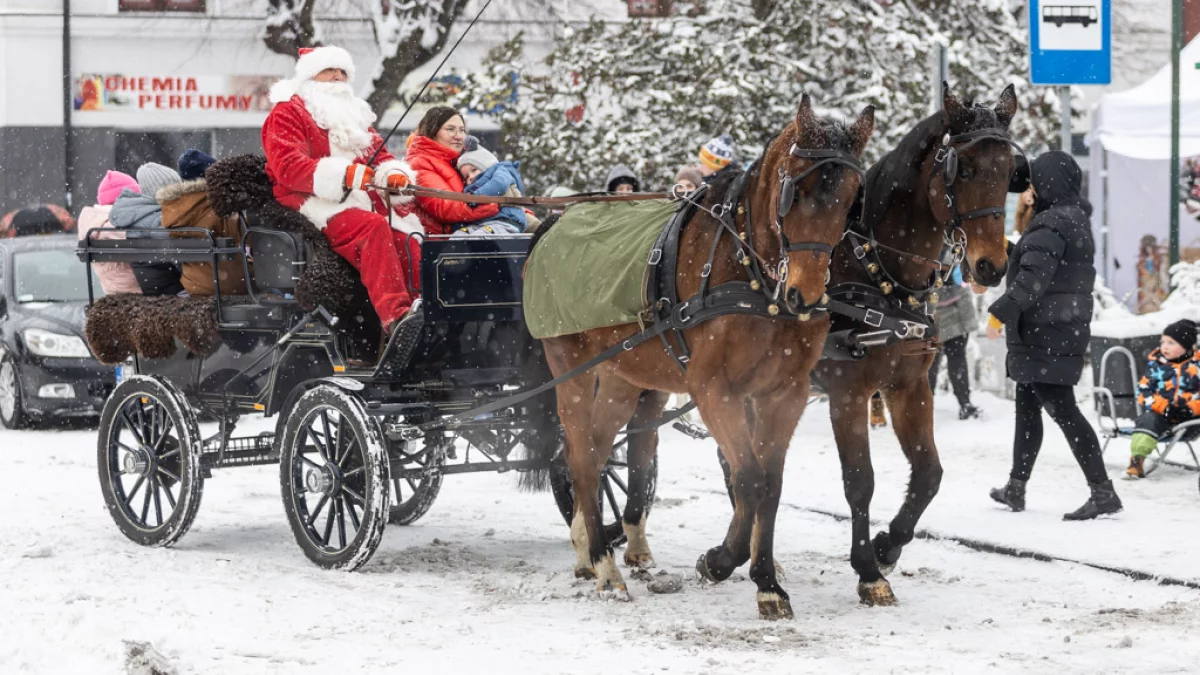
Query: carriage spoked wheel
pixel 333 473
pixel 148 456
pixel 614 492
pixel 415 486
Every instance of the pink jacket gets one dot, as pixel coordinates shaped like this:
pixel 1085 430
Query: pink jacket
pixel 114 277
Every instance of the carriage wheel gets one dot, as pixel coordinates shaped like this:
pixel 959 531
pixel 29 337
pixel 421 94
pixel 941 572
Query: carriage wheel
pixel 614 492
pixel 333 473
pixel 148 454
pixel 412 496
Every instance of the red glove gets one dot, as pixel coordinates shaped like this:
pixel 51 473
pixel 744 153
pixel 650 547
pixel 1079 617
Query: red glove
pixel 358 176
pixel 397 180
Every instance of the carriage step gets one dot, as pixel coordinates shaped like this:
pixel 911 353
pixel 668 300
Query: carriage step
pixel 403 342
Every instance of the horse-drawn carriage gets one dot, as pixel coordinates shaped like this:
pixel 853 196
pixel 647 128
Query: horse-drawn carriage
pixel 357 446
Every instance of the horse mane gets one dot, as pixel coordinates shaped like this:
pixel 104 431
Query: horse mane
pixel 897 174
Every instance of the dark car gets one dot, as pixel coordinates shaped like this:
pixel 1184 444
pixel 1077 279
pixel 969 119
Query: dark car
pixel 46 368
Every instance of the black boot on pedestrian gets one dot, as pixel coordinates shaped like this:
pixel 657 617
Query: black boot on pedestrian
pixel 1011 495
pixel 967 411
pixel 1104 500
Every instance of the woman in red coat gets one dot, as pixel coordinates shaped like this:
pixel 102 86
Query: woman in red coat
pixel 432 152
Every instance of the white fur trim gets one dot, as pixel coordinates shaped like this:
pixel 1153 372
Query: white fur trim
pixel 329 180
pixel 319 211
pixel 409 224
pixel 390 167
pixel 319 59
pixel 282 91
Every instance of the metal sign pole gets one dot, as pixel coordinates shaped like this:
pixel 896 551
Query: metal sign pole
pixel 1064 105
pixel 1176 48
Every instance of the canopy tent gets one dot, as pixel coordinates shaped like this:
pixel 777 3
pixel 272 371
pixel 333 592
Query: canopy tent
pixel 1130 168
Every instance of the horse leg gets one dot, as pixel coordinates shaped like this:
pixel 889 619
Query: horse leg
pixel 912 418
pixel 725 416
pixel 611 408
pixel 575 413
pixel 847 411
pixel 776 417
pixel 642 450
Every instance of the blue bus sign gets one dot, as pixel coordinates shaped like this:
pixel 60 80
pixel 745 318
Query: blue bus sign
pixel 1070 41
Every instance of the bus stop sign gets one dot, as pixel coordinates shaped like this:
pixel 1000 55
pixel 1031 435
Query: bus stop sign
pixel 1070 41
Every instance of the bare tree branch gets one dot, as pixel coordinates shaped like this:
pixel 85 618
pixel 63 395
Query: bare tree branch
pixel 289 26
pixel 411 46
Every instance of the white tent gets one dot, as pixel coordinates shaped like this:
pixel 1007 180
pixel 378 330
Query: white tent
pixel 1130 147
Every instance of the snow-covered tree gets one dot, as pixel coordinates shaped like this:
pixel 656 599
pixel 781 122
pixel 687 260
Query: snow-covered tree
pixel 648 93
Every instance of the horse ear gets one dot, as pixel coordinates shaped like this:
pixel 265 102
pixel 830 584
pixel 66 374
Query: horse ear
pixel 1006 107
pixel 861 130
pixel 806 119
pixel 953 111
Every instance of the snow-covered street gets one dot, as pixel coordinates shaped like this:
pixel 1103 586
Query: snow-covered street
pixel 484 580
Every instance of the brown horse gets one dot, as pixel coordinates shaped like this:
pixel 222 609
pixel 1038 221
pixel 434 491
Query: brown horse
pixel 945 182
pixel 741 366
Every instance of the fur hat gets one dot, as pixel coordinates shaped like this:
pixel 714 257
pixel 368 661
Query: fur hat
pixel 691 174
pixel 1183 332
pixel 111 186
pixel 193 162
pixel 152 177
pixel 717 153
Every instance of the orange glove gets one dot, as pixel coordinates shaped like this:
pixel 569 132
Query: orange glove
pixel 358 176
pixel 1159 405
pixel 397 180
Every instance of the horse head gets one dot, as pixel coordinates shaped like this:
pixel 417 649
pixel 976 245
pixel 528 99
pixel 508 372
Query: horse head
pixel 807 181
pixel 968 175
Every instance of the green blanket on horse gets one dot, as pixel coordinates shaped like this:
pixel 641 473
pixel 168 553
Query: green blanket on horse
pixel 589 270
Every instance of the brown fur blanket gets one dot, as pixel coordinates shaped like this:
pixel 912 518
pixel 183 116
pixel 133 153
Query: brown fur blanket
pixel 120 325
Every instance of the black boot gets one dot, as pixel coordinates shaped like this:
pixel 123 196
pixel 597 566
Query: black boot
pixel 967 411
pixel 1011 495
pixel 1104 500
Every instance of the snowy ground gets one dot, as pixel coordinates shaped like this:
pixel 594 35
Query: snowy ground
pixel 484 580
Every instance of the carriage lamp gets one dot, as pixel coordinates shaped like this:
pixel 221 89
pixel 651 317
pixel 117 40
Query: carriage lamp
pixel 60 390
pixel 44 343
pixel 886 287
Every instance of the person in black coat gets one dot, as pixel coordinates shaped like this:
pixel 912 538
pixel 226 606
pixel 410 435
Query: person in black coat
pixel 1046 312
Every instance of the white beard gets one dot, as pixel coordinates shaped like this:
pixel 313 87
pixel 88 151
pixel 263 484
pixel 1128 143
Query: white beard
pixel 336 109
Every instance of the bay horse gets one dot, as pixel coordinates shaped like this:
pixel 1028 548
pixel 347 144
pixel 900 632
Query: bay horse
pixel 939 194
pixel 740 366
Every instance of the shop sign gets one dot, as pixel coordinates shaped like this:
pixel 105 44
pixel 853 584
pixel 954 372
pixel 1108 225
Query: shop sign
pixel 170 93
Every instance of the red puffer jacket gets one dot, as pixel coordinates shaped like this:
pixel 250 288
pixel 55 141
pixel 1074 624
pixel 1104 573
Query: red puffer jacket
pixel 434 164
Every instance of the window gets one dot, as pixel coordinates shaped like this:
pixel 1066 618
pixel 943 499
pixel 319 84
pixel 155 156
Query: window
pixel 161 5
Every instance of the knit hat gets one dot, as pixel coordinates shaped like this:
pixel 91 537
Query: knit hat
pixel 480 157
pixel 1183 332
pixel 193 162
pixel 152 177
pixel 691 174
pixel 717 153
pixel 111 186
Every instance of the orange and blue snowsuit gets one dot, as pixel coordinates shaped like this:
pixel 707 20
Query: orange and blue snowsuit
pixel 1169 393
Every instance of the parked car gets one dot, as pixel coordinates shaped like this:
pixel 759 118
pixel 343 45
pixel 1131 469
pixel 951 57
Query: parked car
pixel 46 368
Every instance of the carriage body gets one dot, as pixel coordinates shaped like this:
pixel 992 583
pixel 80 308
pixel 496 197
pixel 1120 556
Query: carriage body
pixel 357 447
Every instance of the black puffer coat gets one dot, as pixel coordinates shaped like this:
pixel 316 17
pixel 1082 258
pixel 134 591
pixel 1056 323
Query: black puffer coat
pixel 1047 309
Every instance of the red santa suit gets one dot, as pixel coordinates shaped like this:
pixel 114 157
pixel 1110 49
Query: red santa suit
pixel 313 136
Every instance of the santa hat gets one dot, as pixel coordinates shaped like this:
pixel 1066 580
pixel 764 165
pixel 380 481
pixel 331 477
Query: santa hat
pixel 313 60
pixel 717 153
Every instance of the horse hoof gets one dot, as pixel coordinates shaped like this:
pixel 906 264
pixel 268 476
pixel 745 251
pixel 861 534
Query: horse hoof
pixel 615 592
pixel 876 594
pixel 703 573
pixel 585 573
pixel 886 569
pixel 774 607
pixel 641 561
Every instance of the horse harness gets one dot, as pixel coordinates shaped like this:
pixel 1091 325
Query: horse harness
pixel 761 295
pixel 893 312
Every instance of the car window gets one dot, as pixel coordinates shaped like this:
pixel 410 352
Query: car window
pixel 54 275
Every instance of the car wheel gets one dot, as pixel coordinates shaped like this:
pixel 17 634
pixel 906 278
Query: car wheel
pixel 12 414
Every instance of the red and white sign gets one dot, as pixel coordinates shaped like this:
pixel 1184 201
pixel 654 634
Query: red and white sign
pixel 168 93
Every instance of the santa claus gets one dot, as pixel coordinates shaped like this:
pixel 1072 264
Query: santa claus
pixel 323 155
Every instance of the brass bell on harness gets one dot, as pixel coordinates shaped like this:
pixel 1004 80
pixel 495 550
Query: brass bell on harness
pixel 772 309
pixel 746 260
pixel 913 301
pixel 804 317
pixel 754 285
pixel 741 210
pixel 873 268
pixel 742 236
pixel 825 299
pixel 938 283
pixel 886 287
pixel 933 298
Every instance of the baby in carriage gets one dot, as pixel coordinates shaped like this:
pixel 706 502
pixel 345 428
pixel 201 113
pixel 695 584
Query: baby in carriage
pixel 484 174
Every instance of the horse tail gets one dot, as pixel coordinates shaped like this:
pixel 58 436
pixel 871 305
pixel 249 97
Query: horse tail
pixel 544 437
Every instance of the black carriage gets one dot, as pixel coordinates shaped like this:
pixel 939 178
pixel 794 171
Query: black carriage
pixel 357 447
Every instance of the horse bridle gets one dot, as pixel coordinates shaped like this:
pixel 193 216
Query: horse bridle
pixel 947 159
